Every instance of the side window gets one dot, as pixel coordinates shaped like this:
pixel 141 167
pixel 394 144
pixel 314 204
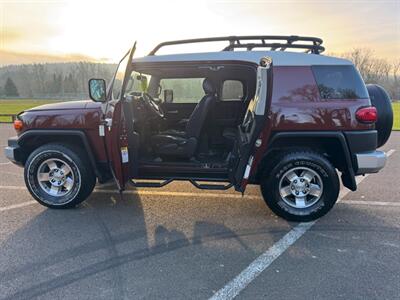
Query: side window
pixel 232 90
pixel 185 90
pixel 339 82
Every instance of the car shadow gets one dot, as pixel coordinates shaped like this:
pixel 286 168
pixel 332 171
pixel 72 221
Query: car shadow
pixel 107 223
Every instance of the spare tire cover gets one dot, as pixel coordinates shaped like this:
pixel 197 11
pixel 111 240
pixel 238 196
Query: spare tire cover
pixel 381 100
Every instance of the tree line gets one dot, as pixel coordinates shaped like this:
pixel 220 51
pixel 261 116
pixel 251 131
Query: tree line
pixel 377 70
pixel 69 80
pixel 51 80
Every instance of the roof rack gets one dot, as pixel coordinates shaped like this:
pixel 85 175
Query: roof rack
pixel 310 45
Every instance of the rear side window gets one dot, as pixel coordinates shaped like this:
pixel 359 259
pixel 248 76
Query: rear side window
pixel 339 82
pixel 186 90
pixel 232 90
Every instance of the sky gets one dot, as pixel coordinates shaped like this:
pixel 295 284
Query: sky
pixel 75 30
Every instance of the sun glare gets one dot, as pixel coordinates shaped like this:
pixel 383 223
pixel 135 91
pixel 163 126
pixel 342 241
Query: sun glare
pixel 103 30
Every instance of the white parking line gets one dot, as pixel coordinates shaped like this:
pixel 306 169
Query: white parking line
pixel 131 192
pixel 17 205
pixel 152 193
pixel 6 163
pixel 241 281
pixel 12 173
pixel 12 187
pixel 262 262
pixel 372 203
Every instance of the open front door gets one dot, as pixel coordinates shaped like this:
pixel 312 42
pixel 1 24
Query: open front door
pixel 114 126
pixel 254 130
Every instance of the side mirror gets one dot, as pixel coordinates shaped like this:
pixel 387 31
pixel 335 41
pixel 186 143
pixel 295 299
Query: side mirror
pixel 97 90
pixel 168 96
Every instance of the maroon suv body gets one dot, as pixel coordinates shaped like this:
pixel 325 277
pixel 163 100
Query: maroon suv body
pixel 284 120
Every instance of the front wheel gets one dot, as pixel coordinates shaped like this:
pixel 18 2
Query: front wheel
pixel 301 186
pixel 59 176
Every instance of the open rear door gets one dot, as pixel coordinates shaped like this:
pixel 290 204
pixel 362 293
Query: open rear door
pixel 254 130
pixel 114 127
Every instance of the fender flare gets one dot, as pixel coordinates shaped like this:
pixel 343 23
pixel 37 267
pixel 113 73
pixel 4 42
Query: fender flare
pixel 348 177
pixel 61 132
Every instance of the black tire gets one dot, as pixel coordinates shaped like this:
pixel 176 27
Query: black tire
pixel 381 100
pixel 80 175
pixel 284 164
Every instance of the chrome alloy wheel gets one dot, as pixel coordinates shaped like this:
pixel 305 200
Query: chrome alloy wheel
pixel 300 187
pixel 55 177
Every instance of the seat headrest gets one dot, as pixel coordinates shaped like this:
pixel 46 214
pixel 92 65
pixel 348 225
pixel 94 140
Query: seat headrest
pixel 208 87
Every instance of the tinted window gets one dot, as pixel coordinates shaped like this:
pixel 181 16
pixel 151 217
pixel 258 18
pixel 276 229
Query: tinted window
pixel 186 90
pixel 232 90
pixel 339 82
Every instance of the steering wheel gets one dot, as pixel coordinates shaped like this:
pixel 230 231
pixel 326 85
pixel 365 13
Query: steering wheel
pixel 152 105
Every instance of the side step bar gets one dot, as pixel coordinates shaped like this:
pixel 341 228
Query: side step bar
pixel 211 186
pixel 152 184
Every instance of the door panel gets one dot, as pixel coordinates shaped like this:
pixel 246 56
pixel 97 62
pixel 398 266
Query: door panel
pixel 115 127
pixel 252 131
pixel 116 142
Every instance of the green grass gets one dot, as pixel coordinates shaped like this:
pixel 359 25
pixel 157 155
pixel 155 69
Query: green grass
pixel 396 111
pixel 14 106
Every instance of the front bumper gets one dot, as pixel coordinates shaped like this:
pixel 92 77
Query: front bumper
pixel 370 162
pixel 13 151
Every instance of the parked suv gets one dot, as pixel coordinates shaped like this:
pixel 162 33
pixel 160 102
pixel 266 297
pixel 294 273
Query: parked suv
pixel 287 121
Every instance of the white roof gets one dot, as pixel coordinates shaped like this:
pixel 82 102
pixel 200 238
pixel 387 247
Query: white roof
pixel 279 58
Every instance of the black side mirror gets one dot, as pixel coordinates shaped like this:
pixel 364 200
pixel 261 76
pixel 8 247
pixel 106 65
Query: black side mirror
pixel 168 96
pixel 97 90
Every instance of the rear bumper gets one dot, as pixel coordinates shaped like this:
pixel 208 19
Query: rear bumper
pixel 362 145
pixel 13 151
pixel 370 162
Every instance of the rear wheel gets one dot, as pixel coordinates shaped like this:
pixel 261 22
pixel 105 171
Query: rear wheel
pixel 59 176
pixel 301 186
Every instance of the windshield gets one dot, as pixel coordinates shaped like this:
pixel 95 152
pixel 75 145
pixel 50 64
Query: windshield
pixel 137 83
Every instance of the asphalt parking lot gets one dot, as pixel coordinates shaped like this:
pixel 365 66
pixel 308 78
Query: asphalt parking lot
pixel 179 243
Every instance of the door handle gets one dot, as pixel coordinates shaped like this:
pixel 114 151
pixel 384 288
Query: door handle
pixel 107 122
pixel 172 111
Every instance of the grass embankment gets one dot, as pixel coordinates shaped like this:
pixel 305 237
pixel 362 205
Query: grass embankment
pixel 16 105
pixel 396 111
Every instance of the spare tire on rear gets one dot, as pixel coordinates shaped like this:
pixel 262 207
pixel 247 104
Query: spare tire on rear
pixel 381 100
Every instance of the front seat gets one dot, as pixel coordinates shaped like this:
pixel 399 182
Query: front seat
pixel 184 144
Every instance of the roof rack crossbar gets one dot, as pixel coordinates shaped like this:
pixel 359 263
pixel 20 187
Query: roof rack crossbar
pixel 235 42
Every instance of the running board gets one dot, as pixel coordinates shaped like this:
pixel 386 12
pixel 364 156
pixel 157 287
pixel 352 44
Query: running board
pixel 152 184
pixel 211 186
